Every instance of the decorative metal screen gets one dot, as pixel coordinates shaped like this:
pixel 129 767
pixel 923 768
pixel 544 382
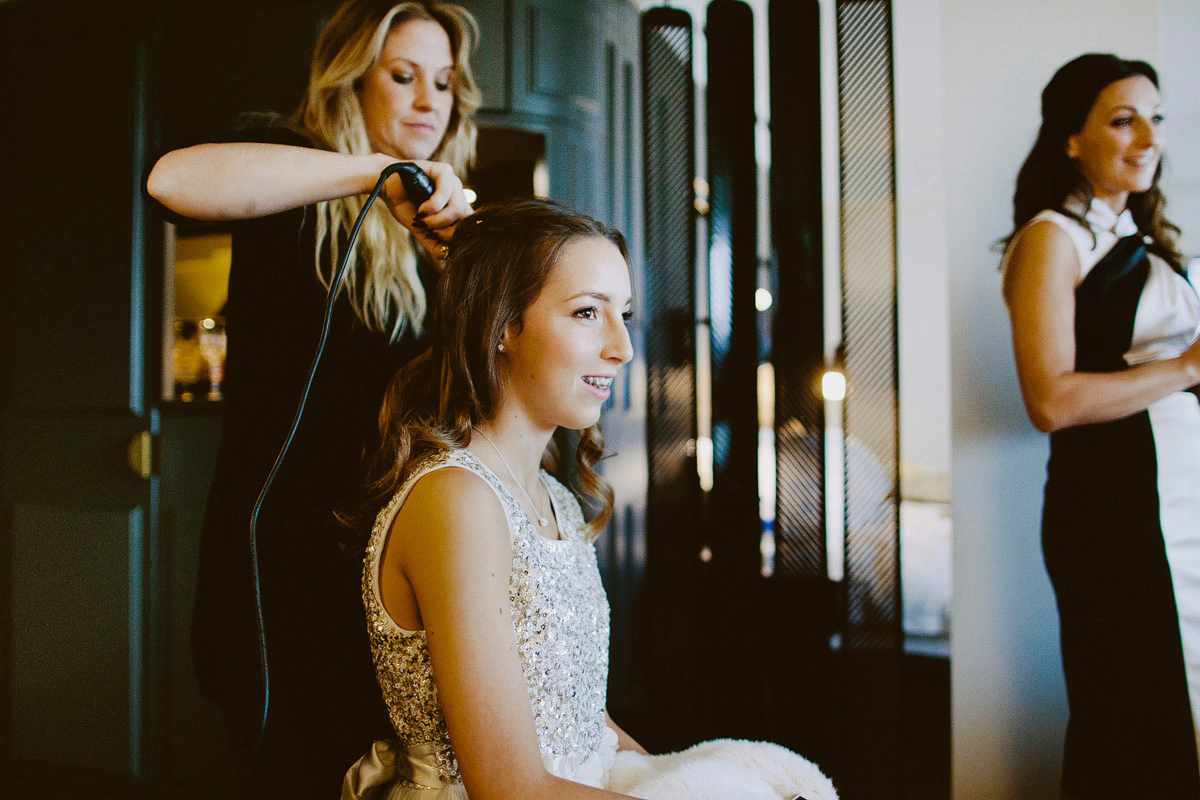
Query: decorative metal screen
pixel 673 497
pixel 869 321
pixel 670 277
pixel 872 632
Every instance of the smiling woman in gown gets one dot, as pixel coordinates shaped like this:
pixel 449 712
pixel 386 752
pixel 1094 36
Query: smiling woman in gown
pixel 1104 324
pixel 488 621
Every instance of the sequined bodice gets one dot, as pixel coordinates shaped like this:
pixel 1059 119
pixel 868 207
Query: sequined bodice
pixel 560 618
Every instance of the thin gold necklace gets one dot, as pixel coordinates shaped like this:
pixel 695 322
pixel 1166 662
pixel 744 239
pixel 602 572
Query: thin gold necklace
pixel 541 521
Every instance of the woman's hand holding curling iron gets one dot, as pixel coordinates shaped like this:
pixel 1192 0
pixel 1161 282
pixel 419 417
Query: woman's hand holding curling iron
pixel 433 221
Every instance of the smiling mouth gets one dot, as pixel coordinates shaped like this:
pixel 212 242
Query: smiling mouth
pixel 599 383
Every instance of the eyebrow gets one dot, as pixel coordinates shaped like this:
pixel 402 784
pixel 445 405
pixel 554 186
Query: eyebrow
pixel 601 296
pixel 1133 108
pixel 392 61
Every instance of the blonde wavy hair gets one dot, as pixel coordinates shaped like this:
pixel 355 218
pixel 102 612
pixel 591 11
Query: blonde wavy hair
pixel 382 283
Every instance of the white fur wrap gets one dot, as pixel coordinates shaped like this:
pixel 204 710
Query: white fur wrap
pixel 722 769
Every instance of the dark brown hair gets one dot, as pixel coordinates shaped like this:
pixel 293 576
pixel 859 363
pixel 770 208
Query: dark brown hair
pixel 1048 178
pixel 501 258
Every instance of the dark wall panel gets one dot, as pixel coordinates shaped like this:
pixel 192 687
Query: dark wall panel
pixel 732 280
pixel 798 335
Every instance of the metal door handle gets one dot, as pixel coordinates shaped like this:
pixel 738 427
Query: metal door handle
pixel 141 454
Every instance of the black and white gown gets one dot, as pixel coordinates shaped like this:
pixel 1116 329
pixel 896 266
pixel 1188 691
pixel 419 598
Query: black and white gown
pixel 1121 531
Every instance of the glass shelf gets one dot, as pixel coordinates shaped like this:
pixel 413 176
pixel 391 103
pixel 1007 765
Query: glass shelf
pixel 196 287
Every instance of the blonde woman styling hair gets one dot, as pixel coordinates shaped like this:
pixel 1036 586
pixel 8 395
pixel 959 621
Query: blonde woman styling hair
pixel 348 109
pixel 389 82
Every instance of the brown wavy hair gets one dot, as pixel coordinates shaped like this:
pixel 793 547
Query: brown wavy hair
pixel 501 258
pixel 1049 178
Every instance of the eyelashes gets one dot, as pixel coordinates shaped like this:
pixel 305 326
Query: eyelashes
pixel 1125 122
pixel 404 79
pixel 591 312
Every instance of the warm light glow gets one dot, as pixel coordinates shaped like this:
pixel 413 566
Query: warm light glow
pixel 833 386
pixel 700 201
pixel 541 179
pixel 763 299
pixel 208 324
pixel 704 462
pixel 471 196
pixel 766 550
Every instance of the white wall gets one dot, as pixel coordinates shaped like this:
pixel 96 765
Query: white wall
pixel 993 60
pixel 1179 70
pixel 921 292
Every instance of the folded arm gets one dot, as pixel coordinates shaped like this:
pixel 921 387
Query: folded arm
pixel 1039 289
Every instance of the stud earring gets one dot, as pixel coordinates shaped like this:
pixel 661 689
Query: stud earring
pixel 500 347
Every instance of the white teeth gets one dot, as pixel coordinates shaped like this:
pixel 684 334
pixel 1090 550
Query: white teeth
pixel 599 383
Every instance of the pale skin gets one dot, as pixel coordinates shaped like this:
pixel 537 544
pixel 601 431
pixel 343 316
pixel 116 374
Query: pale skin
pixel 1118 151
pixel 463 532
pixel 407 104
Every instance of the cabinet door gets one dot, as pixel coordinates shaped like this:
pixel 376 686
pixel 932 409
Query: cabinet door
pixel 77 525
pixel 557 60
pixel 489 62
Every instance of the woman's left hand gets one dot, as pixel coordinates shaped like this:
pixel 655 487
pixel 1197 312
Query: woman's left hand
pixel 433 221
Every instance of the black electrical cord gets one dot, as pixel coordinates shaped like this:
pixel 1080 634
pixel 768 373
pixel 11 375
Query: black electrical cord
pixel 417 188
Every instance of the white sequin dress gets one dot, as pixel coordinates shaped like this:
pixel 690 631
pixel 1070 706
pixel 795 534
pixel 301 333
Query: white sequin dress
pixel 561 622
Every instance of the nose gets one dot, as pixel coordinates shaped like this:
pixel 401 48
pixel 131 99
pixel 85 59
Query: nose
pixel 423 92
pixel 618 349
pixel 1148 133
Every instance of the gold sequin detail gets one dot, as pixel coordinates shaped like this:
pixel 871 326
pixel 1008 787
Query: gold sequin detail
pixel 560 620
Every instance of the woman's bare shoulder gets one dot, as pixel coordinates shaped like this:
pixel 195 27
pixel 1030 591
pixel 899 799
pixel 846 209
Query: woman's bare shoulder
pixel 1042 250
pixel 453 501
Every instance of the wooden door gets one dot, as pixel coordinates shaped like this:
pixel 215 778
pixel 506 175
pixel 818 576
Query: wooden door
pixel 78 552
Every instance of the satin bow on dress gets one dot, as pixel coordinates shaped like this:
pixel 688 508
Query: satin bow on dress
pixel 390 771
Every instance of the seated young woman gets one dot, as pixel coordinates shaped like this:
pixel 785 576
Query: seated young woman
pixel 488 622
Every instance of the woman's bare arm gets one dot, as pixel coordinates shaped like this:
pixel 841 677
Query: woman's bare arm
pixel 451 545
pixel 243 180
pixel 1039 289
